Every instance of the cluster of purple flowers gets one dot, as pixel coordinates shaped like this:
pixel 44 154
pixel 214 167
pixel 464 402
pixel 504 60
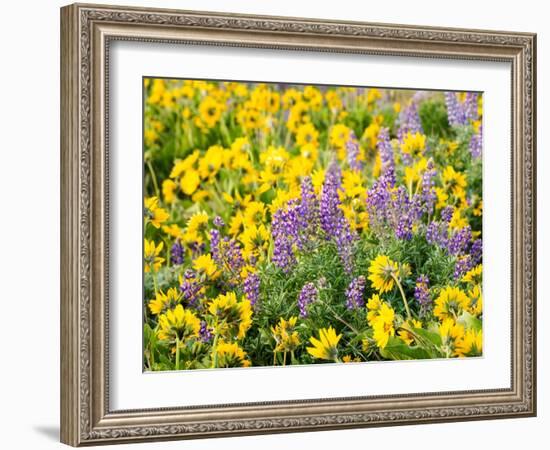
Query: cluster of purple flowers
pixel 352 148
pixel 461 113
pixel 386 156
pixel 354 293
pixel 251 288
pixel 476 143
pixel 409 120
pixel 308 212
pixel 333 222
pixel 392 209
pixel 226 252
pixel 308 295
pixel 428 195
pixel 218 222
pixel 205 332
pixel 299 223
pixel 215 245
pixel 285 228
pixel 176 253
pixel 191 288
pixel 331 215
pixel 458 243
pixel 422 292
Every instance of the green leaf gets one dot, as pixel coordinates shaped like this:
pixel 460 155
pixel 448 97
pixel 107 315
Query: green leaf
pixel 469 321
pixel 398 350
pixel 434 338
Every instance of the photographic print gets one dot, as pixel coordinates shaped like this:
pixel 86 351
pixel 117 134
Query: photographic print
pixel 290 224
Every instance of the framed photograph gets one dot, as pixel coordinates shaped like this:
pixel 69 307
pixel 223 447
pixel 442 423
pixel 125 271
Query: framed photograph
pixel 277 225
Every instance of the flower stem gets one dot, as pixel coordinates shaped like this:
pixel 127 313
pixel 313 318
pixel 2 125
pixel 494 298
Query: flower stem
pixel 214 345
pixel 337 317
pixel 153 178
pixel 155 283
pixel 177 353
pixel 402 296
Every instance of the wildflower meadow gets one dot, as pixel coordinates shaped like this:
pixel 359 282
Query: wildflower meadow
pixel 296 224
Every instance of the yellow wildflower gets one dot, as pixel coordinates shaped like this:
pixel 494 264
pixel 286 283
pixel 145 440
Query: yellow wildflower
pixel 151 255
pixel 452 301
pixel 168 190
pixel 210 111
pixel 205 265
pixel 474 276
pixel 232 318
pixel 469 344
pixel 178 324
pixel 285 335
pixel 382 272
pixel 154 213
pixel 229 354
pixel 190 182
pixel 164 301
pixel 326 347
pixel 383 327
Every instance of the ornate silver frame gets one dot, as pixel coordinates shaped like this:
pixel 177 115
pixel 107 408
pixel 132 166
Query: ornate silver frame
pixel 86 31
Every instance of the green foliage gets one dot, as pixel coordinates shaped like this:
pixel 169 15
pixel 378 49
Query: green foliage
pixel 433 116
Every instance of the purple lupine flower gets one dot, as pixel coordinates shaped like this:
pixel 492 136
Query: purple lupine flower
pixel 447 214
pixel 218 222
pixel 308 210
pixel 307 295
pixel 205 332
pixel 409 120
pixel 437 233
pixel 459 241
pixel 392 210
pixel 470 106
pixel 403 230
pixel 428 195
pixel 404 212
pixel 231 255
pixel 476 251
pixel 176 253
pixel 215 246
pixel 422 293
pixel 251 288
pixel 462 265
pixel 455 112
pixel 378 202
pixel 191 288
pixel 433 232
pixel 354 293
pixel 476 144
pixel 352 148
pixel 226 252
pixel 386 155
pixel 284 228
pixel 344 244
pixel 330 213
pixel 332 219
pixel 461 113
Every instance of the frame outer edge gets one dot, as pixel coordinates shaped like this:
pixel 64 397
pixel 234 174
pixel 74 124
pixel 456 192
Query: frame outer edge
pixel 79 338
pixel 70 298
pixel 532 230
